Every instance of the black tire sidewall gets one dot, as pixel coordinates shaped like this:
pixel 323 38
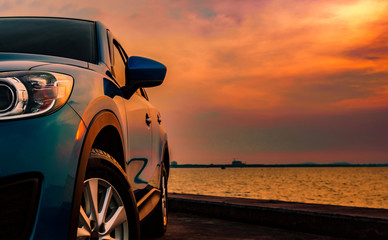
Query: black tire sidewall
pixel 101 167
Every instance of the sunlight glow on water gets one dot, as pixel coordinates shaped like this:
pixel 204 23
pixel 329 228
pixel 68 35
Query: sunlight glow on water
pixel 351 186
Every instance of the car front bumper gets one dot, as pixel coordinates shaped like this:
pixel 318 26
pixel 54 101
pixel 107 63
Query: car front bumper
pixel 46 149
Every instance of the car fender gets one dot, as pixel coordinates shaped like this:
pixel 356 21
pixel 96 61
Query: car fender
pixel 99 121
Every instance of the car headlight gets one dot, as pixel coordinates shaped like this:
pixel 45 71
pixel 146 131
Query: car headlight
pixel 25 94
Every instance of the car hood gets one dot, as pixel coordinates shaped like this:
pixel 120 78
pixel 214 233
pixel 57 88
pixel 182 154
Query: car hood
pixel 24 62
pixel 18 65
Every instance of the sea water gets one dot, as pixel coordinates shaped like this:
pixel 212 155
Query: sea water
pixel 346 186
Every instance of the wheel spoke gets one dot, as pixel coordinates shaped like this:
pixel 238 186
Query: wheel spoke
pixel 106 202
pixel 92 192
pixel 118 218
pixel 107 237
pixel 110 223
pixel 81 232
pixel 85 219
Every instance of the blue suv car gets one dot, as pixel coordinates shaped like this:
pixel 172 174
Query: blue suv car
pixel 83 152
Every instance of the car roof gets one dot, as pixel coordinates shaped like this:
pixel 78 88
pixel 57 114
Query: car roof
pixel 43 17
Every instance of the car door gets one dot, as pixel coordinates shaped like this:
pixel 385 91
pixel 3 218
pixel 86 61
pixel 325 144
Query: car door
pixel 139 132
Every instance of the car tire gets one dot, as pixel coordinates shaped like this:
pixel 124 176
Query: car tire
pixel 107 190
pixel 156 224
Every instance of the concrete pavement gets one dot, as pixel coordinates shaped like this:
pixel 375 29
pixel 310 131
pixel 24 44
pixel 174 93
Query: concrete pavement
pixel 328 220
pixel 184 226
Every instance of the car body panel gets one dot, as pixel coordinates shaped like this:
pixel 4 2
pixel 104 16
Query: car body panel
pixel 140 141
pixel 54 155
pixel 142 168
pixel 20 60
pixel 17 65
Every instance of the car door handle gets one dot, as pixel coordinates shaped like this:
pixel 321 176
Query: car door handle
pixel 148 120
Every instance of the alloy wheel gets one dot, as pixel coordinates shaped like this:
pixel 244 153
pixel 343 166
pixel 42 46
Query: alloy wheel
pixel 102 212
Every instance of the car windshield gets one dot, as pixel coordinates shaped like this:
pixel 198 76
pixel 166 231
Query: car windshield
pixel 68 38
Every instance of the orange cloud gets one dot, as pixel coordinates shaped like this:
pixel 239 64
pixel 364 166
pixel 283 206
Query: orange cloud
pixel 267 73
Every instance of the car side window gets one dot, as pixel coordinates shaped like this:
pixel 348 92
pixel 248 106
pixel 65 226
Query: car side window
pixel 118 65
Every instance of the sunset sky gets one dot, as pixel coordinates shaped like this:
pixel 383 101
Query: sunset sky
pixel 261 81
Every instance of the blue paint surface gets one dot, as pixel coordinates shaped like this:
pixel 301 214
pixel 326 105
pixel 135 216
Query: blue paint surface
pixel 137 177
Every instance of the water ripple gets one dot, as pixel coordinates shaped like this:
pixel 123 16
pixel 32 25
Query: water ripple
pixel 356 186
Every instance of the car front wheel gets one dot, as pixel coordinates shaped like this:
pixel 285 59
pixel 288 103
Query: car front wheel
pixel 106 210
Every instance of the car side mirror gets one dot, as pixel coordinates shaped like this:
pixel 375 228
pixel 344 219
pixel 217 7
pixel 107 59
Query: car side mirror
pixel 144 72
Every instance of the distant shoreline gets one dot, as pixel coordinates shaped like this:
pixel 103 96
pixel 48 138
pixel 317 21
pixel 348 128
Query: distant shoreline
pixel 275 165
